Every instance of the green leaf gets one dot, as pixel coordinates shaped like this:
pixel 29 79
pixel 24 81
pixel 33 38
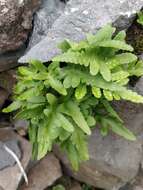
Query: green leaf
pixel 94 67
pixel 38 65
pixel 119 129
pixel 115 44
pixel 71 108
pixel 57 85
pixel 120 36
pixel 108 95
pixel 58 187
pixel 12 107
pixel 80 91
pixel 105 72
pixel 64 46
pixel 65 123
pixel 96 92
pixel 73 156
pixel 51 98
pixel 79 140
pixel 104 33
pixel 110 110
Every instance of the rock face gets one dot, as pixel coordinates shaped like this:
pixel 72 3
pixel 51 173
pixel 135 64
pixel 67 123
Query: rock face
pixel 3 96
pixel 5 158
pixel 15 24
pixel 80 17
pixel 11 176
pixel 44 18
pixel 114 161
pixel 44 174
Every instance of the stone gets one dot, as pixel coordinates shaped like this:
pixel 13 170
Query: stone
pixel 139 86
pixel 11 177
pixel 3 96
pixel 76 186
pixel 15 23
pixel 44 18
pixel 43 174
pixel 135 184
pixel 21 126
pixel 113 161
pixel 8 80
pixel 5 158
pixel 80 17
pixel 9 60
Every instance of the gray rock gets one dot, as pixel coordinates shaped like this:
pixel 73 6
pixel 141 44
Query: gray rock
pixel 10 177
pixel 44 18
pixel 5 158
pixel 114 161
pixel 139 86
pixel 43 174
pixel 80 17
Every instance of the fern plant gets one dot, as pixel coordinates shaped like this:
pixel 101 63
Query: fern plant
pixel 63 100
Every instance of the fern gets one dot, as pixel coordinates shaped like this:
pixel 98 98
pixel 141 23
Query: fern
pixel 64 100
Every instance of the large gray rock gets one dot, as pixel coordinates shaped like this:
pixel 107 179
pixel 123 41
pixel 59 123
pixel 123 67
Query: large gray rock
pixel 80 17
pixel 44 18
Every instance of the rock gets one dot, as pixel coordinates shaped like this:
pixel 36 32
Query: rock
pixel 3 96
pixel 136 184
pixel 139 86
pixel 80 17
pixel 21 126
pixel 10 177
pixel 8 80
pixel 5 158
pixel 9 60
pixel 15 23
pixel 75 186
pixel 43 174
pixel 44 18
pixel 114 161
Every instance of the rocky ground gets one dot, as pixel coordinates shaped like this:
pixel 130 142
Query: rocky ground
pixel 31 29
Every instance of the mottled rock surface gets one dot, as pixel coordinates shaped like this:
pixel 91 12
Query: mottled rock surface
pixel 5 158
pixel 44 18
pixel 10 177
pixel 43 174
pixel 15 22
pixel 80 17
pixel 15 25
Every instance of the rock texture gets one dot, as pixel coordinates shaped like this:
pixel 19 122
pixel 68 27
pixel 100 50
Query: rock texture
pixel 5 158
pixel 80 17
pixel 15 24
pixel 10 177
pixel 44 18
pixel 43 174
pixel 114 161
pixel 3 96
